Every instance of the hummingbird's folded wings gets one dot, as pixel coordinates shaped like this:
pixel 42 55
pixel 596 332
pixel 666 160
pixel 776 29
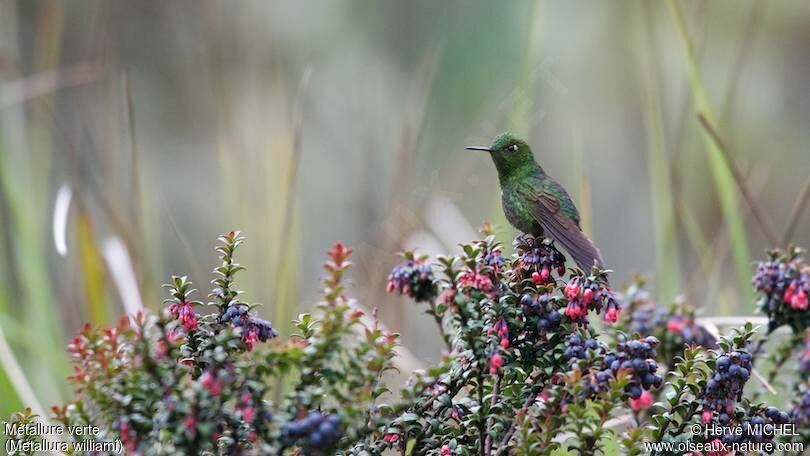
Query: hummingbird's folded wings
pixel 546 209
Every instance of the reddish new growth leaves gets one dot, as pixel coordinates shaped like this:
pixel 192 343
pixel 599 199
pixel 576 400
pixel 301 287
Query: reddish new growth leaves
pixel 99 354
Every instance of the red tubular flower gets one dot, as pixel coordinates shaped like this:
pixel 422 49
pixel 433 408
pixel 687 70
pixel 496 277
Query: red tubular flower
pixel 184 311
pixel 612 315
pixel 571 290
pixel 190 423
pixel 799 301
pixel 211 383
pixel 391 438
pixel 476 280
pixel 643 402
pixel 574 311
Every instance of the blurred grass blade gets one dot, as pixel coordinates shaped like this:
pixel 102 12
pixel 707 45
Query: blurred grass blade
pixel 759 215
pixel 92 270
pixel 35 302
pixel 667 256
pixel 120 266
pixel 722 177
pixel 13 374
pixel 796 212
pixel 61 208
pixel 584 186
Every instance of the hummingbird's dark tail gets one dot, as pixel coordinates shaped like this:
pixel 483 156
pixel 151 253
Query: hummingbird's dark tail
pixel 582 250
pixel 576 243
pixel 546 210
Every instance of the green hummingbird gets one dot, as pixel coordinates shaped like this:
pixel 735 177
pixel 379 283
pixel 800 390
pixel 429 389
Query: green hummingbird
pixel 536 204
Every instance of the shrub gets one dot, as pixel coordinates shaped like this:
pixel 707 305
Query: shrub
pixel 525 371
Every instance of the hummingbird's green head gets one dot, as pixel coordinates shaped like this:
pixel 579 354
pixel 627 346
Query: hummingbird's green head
pixel 510 155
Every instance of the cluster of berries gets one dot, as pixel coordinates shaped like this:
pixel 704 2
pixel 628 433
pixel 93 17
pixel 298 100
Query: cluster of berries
pixel 675 328
pixel 800 413
pixel 494 259
pixel 647 320
pixel 579 348
pixel 590 293
pixel 538 258
pixel 783 279
pixel 413 278
pixel 596 375
pixel 597 378
pixel 637 356
pixel 541 306
pixel 731 372
pixel 759 428
pixel 319 432
pixel 253 328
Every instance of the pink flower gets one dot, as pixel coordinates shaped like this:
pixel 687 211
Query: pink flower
pixel 799 301
pixel 789 293
pixel 643 402
pixel 445 450
pixel 571 290
pixel 185 313
pixel 612 315
pixel 190 423
pixel 250 339
pixel 674 325
pixel 128 437
pixel 161 349
pixel 706 416
pixel 211 383
pixel 574 312
pixel 495 363
pixel 476 280
pixel 447 296
pixel 587 297
pixel 391 438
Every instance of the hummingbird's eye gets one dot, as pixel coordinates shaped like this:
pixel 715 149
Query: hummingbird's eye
pixel 512 148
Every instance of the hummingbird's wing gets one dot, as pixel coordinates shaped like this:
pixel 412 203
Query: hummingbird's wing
pixel 545 208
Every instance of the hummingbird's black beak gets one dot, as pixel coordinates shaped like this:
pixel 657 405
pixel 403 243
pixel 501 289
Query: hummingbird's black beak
pixel 485 149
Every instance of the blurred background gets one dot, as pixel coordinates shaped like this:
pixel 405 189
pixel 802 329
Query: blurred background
pixel 133 133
